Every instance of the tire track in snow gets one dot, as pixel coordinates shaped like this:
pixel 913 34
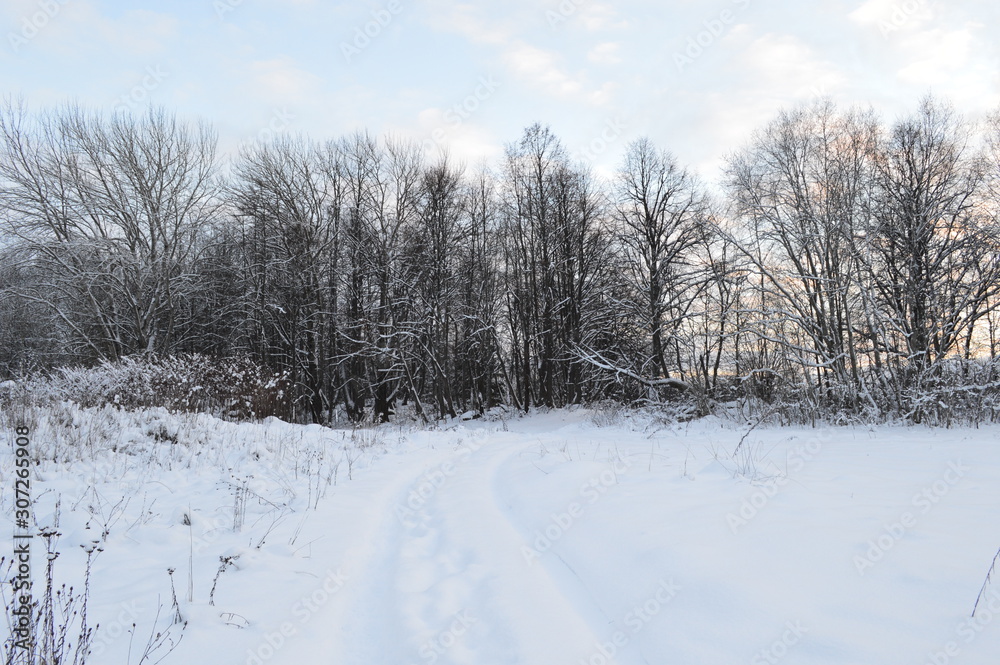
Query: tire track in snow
pixel 447 582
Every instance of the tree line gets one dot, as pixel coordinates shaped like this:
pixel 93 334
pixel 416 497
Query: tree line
pixel 846 264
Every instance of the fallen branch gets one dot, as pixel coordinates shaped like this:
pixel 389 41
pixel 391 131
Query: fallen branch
pixel 599 361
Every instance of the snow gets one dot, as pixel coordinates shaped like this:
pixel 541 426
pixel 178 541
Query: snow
pixel 561 537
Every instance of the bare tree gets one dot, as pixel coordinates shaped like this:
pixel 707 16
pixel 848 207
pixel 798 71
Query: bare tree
pixel 382 195
pixel 485 377
pixel 933 244
pixel 288 194
pixel 554 250
pixel 661 216
pixel 108 211
pixel 431 267
pixel 802 190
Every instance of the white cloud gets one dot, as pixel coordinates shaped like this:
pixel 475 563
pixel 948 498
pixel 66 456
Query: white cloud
pixel 604 95
pixel 80 29
pixel 605 54
pixel 872 11
pixel 951 64
pixel 892 15
pixel 140 32
pixel 440 131
pixel 281 80
pixel 466 20
pixel 935 55
pixel 787 67
pixel 540 68
pixel 596 16
pixel 771 72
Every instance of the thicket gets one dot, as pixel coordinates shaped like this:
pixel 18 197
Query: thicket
pixel 849 269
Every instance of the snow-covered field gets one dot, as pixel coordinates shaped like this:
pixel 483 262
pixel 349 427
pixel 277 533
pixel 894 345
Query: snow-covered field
pixel 562 537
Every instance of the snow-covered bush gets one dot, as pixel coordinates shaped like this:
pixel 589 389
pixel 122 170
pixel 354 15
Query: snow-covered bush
pixel 232 388
pixel 954 392
pixel 951 392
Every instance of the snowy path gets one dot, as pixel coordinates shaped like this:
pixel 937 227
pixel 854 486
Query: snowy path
pixel 448 582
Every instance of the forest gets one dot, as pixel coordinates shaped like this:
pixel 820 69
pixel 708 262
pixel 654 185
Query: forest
pixel 844 267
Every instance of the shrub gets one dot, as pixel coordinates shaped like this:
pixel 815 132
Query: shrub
pixel 232 388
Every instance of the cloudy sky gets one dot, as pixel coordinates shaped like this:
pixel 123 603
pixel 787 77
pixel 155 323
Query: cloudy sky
pixel 696 77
